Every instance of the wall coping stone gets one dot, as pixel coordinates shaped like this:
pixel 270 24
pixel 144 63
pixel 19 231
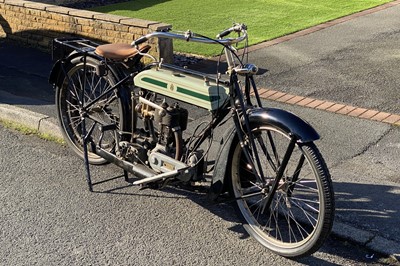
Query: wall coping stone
pixel 109 17
pixel 58 9
pixel 82 13
pixel 34 5
pixel 137 22
pixel 15 2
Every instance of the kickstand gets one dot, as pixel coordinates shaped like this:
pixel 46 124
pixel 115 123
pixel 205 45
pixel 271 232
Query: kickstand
pixel 126 176
pixel 83 126
pixel 86 136
pixel 86 155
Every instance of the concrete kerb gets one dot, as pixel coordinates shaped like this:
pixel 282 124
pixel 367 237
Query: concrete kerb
pixel 42 123
pixel 363 238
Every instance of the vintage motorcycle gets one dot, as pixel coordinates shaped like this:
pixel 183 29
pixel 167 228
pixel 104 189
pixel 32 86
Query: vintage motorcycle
pixel 114 108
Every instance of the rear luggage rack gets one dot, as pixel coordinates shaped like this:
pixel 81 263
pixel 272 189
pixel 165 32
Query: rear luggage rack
pixel 62 47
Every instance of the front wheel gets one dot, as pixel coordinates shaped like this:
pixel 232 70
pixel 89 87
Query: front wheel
pixel 300 215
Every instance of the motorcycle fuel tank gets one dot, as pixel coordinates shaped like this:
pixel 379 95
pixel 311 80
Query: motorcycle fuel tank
pixel 185 87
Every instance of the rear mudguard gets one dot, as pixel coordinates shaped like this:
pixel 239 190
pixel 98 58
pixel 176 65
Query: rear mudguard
pixel 286 121
pixel 62 66
pixel 57 74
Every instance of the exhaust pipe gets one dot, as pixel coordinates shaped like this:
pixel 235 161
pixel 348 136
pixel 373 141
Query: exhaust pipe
pixel 161 176
pixel 137 170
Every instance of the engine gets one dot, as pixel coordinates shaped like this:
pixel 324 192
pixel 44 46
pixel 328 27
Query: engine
pixel 157 140
pixel 167 119
pixel 163 125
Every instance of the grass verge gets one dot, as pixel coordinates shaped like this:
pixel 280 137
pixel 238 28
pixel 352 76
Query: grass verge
pixel 30 131
pixel 266 19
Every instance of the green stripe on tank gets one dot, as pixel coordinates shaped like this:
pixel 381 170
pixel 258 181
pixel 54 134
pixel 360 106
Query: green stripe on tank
pixel 197 95
pixel 155 82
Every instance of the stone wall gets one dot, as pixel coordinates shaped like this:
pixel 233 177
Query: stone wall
pixel 59 2
pixel 37 24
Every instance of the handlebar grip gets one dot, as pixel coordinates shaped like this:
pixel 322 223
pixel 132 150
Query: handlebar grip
pixel 224 33
pixel 236 28
pixel 139 41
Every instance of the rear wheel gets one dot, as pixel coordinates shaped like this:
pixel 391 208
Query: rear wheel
pixel 301 212
pixel 82 87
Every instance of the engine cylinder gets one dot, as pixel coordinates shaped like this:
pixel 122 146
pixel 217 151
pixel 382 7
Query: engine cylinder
pixel 172 116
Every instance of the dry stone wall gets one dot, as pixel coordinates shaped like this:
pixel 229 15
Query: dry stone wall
pixel 37 24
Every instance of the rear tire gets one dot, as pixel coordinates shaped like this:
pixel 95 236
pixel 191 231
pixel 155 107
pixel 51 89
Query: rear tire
pixel 301 213
pixel 107 111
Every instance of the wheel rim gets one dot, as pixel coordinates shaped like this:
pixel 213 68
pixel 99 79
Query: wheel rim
pixel 296 209
pixel 105 112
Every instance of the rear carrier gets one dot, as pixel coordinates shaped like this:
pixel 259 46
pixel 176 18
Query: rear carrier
pixel 62 47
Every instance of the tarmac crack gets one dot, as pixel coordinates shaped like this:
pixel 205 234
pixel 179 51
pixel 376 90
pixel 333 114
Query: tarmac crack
pixel 365 149
pixel 372 144
pixel 369 240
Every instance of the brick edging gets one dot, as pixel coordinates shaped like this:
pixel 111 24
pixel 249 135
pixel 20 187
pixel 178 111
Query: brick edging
pixel 328 106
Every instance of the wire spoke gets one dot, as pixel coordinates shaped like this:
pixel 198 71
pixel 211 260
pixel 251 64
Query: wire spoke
pixel 265 150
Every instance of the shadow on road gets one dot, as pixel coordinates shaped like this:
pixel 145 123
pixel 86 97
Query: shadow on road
pixel 24 68
pixel 369 206
pixel 349 207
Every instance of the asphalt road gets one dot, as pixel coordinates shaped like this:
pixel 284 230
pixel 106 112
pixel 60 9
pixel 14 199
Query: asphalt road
pixel 354 63
pixel 48 217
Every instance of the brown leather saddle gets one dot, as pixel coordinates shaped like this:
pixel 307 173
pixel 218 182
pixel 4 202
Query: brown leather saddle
pixel 120 51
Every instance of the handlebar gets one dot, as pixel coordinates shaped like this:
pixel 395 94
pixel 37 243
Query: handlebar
pixel 140 40
pixel 236 28
pixel 190 36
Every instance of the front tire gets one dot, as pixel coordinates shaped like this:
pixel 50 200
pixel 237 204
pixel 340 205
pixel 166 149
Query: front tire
pixel 301 213
pixel 82 87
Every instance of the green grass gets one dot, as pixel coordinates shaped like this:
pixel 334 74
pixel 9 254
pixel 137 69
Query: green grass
pixel 30 131
pixel 266 19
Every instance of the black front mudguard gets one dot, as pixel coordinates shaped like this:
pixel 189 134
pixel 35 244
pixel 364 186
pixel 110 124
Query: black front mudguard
pixel 284 120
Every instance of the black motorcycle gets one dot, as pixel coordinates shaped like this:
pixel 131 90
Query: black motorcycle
pixel 114 108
